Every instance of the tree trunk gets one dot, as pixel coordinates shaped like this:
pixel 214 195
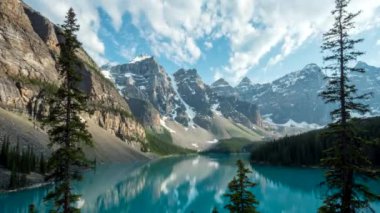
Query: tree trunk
pixel 347 173
pixel 67 145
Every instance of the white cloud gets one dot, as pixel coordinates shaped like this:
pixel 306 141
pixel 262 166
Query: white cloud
pixel 253 28
pixel 208 45
pixel 378 42
pixel 128 52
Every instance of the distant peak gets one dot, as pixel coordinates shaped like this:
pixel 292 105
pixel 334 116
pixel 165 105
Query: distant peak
pixel 367 67
pixel 140 58
pixel 245 80
pixel 362 64
pixel 220 82
pixel 311 66
pixel 185 72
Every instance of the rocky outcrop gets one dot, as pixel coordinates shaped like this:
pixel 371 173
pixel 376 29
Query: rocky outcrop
pixel 222 88
pixel 120 125
pixel 28 74
pixel 193 91
pixel 144 79
pixel 144 112
pixel 291 97
pixel 152 94
pixel 219 98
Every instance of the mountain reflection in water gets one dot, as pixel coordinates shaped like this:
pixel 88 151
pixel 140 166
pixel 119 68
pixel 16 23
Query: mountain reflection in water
pixel 182 184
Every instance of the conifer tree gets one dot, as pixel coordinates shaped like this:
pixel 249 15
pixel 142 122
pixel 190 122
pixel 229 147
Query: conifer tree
pixel 42 164
pixel 13 179
pixel 67 132
pixel 346 161
pixel 242 200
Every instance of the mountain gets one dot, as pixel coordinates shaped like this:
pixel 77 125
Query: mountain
pixel 222 88
pixel 369 82
pixel 28 75
pixel 244 85
pixel 143 79
pixel 196 94
pixel 292 97
pixel 191 111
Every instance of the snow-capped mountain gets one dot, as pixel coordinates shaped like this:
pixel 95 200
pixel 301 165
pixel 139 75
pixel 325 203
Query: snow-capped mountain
pixel 185 98
pixel 185 101
pixel 369 82
pixel 244 85
pixel 292 97
pixel 144 79
pixel 222 88
pixel 295 96
pixel 196 94
pixel 219 99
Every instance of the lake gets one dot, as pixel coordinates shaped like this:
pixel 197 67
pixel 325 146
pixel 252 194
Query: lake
pixel 183 184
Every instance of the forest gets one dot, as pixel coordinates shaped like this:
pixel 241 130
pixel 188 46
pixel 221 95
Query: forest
pixel 307 149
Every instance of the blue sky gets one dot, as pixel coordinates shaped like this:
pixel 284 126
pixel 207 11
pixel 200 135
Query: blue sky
pixel 261 39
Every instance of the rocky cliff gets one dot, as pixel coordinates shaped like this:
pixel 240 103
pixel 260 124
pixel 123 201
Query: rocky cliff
pixel 145 80
pixel 291 97
pixel 28 74
pixel 294 98
pixel 194 113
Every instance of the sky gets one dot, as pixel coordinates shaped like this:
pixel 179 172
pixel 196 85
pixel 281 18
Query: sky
pixel 260 39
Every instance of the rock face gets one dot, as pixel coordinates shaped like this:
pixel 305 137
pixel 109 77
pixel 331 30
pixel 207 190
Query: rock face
pixel 185 98
pixel 369 82
pixel 152 94
pixel 244 85
pixel 222 88
pixel 144 79
pixel 196 94
pixel 292 97
pixel 28 74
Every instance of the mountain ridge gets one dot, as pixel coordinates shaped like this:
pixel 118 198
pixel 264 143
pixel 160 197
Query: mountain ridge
pixel 29 75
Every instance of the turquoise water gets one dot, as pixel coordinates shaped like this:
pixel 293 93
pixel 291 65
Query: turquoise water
pixel 183 184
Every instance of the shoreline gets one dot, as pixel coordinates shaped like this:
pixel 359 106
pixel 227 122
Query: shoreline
pixel 33 186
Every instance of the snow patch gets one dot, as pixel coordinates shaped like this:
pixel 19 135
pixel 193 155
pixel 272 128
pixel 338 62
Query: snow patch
pixel 303 124
pixel 107 74
pixel 291 123
pixel 195 145
pixel 120 88
pixel 139 58
pixel 220 85
pixel 163 123
pixel 214 109
pixel 189 111
pixel 213 141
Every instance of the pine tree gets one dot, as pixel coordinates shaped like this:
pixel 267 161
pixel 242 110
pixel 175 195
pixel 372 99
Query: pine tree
pixel 13 180
pixel 346 160
pixel 67 132
pixel 242 200
pixel 4 155
pixel 42 164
